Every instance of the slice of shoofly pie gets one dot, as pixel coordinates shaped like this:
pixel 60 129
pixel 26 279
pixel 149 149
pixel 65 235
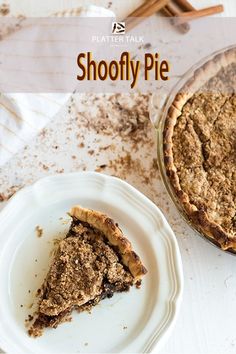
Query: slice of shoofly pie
pixel 91 263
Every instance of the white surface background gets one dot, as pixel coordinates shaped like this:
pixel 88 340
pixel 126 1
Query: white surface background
pixel 206 324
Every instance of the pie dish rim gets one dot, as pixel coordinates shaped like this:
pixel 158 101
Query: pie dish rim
pixel 198 218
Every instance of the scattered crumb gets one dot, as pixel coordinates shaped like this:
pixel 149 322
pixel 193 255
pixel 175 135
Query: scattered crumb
pixel 45 167
pixel 43 132
pixel 110 147
pixel 4 9
pixel 39 231
pixel 29 318
pixel 6 195
pixel 122 142
pixel 138 284
pixel 147 46
pixel 101 167
pixel 119 115
pixel 86 344
pixel 125 327
pixel 29 291
pixel 21 305
pixel 60 170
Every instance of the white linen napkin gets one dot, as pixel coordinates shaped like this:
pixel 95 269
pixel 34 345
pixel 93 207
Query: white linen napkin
pixel 23 115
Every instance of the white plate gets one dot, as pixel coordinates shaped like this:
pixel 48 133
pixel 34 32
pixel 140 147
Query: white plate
pixel 129 322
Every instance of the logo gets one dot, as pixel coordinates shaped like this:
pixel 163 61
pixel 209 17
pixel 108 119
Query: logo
pixel 118 36
pixel 118 28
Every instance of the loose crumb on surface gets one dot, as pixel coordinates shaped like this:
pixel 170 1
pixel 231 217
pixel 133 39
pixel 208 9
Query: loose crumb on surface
pixel 147 46
pixel 100 168
pixel 39 231
pixel 45 167
pixel 8 193
pixel 60 170
pixel 29 318
pixel 4 9
pixel 138 284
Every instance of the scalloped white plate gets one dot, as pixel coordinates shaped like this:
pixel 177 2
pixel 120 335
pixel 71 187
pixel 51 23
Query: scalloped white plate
pixel 129 322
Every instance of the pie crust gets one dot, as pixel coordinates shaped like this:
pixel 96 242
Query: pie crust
pixel 94 261
pixel 188 110
pixel 115 237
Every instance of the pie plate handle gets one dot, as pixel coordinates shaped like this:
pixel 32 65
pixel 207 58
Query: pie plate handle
pixel 156 108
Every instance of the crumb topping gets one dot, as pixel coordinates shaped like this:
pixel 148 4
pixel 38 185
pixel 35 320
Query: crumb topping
pixel 85 270
pixel 204 149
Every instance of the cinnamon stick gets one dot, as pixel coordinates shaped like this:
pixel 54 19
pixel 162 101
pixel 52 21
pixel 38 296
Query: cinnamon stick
pixel 145 10
pixel 167 12
pixel 192 15
pixel 185 5
pixel 142 8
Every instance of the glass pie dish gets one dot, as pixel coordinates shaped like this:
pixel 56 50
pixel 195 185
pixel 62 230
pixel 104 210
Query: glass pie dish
pixel 159 110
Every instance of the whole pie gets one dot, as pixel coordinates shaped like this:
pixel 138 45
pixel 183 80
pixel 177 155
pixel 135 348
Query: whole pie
pixel 199 146
pixel 91 263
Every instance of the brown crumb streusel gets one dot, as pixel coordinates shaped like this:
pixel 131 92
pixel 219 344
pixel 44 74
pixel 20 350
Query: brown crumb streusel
pixel 204 153
pixel 84 271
